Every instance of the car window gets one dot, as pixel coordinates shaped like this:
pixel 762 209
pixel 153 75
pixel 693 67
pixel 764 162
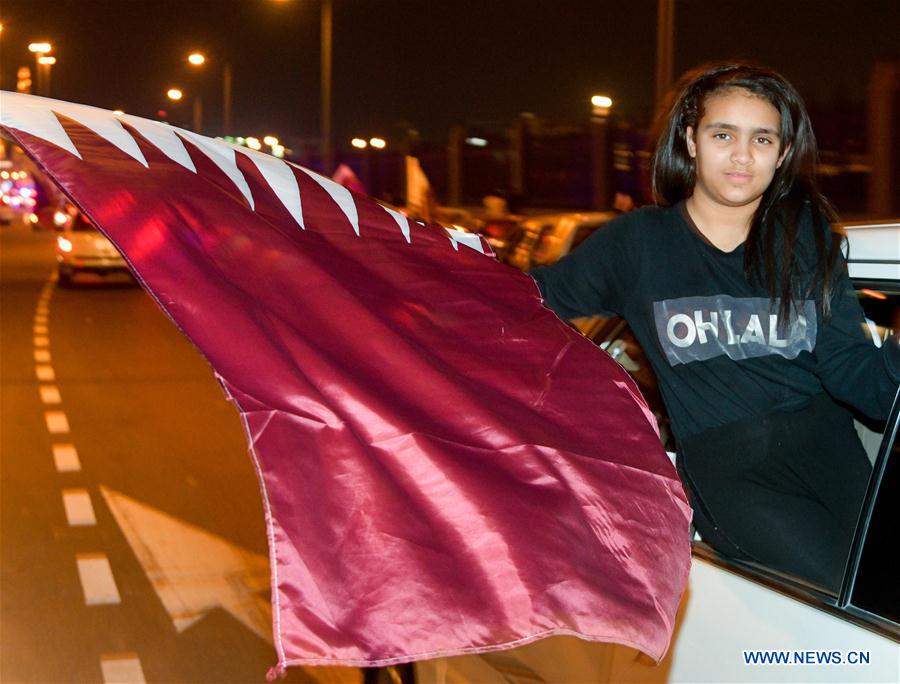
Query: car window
pixel 875 587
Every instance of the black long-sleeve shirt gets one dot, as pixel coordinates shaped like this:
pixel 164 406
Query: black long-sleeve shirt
pixel 716 341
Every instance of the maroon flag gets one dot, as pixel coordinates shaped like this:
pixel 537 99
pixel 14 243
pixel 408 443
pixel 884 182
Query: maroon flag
pixel 445 466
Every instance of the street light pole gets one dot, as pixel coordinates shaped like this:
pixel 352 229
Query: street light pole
pixel 41 50
pixel 601 175
pixel 45 62
pixel 174 95
pixel 198 114
pixel 197 60
pixel 327 151
pixel 665 38
pixel 226 99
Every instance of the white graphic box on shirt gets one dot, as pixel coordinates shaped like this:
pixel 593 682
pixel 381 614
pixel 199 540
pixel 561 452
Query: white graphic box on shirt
pixel 700 328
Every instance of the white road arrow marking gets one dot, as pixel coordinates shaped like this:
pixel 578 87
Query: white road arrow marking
pixel 192 570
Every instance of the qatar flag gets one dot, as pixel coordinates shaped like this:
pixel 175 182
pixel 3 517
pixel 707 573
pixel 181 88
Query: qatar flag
pixel 446 467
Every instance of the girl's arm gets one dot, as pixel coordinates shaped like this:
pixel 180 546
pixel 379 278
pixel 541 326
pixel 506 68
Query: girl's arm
pixel 598 277
pixel 851 368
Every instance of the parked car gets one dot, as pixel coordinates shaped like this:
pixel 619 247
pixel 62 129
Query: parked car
pixel 740 621
pixel 545 239
pixel 81 248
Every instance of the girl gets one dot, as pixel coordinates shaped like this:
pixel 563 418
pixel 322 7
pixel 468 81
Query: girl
pixel 736 289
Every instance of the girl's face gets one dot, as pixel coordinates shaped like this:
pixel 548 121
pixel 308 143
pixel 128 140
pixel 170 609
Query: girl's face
pixel 736 149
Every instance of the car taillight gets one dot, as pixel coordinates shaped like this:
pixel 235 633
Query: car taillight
pixel 64 244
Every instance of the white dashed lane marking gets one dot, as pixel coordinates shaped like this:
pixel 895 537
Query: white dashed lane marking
pixel 121 668
pixel 97 581
pixel 57 423
pixel 65 456
pixel 50 394
pixel 44 373
pixel 79 510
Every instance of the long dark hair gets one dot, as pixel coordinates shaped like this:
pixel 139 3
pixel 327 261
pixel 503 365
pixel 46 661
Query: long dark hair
pixel 777 253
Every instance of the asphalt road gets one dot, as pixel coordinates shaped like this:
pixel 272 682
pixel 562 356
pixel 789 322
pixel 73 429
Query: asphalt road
pixel 132 538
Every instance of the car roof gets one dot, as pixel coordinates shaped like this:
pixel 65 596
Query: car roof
pixel 873 249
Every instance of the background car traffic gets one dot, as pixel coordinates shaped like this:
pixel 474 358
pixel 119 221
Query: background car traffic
pixel 82 249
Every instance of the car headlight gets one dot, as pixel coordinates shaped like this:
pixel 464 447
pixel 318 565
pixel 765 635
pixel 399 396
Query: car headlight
pixel 64 244
pixel 60 218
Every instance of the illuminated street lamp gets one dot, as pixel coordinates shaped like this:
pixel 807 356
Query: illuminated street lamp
pixel 601 104
pixel 271 140
pixel 174 94
pixel 359 143
pixel 601 171
pixel 40 50
pixel 197 59
pixel 378 143
pixel 253 143
pixel 48 60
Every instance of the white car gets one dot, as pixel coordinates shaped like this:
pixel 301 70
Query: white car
pixel 741 622
pixel 81 248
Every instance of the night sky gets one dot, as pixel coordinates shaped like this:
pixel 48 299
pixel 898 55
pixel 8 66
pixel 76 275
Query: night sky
pixel 431 63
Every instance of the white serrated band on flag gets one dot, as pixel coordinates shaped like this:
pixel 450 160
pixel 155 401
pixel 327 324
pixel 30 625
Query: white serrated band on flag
pixel 34 115
pixel 281 179
pixel 163 137
pixel 401 220
pixel 104 123
pixel 339 194
pixel 222 156
pixel 468 239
